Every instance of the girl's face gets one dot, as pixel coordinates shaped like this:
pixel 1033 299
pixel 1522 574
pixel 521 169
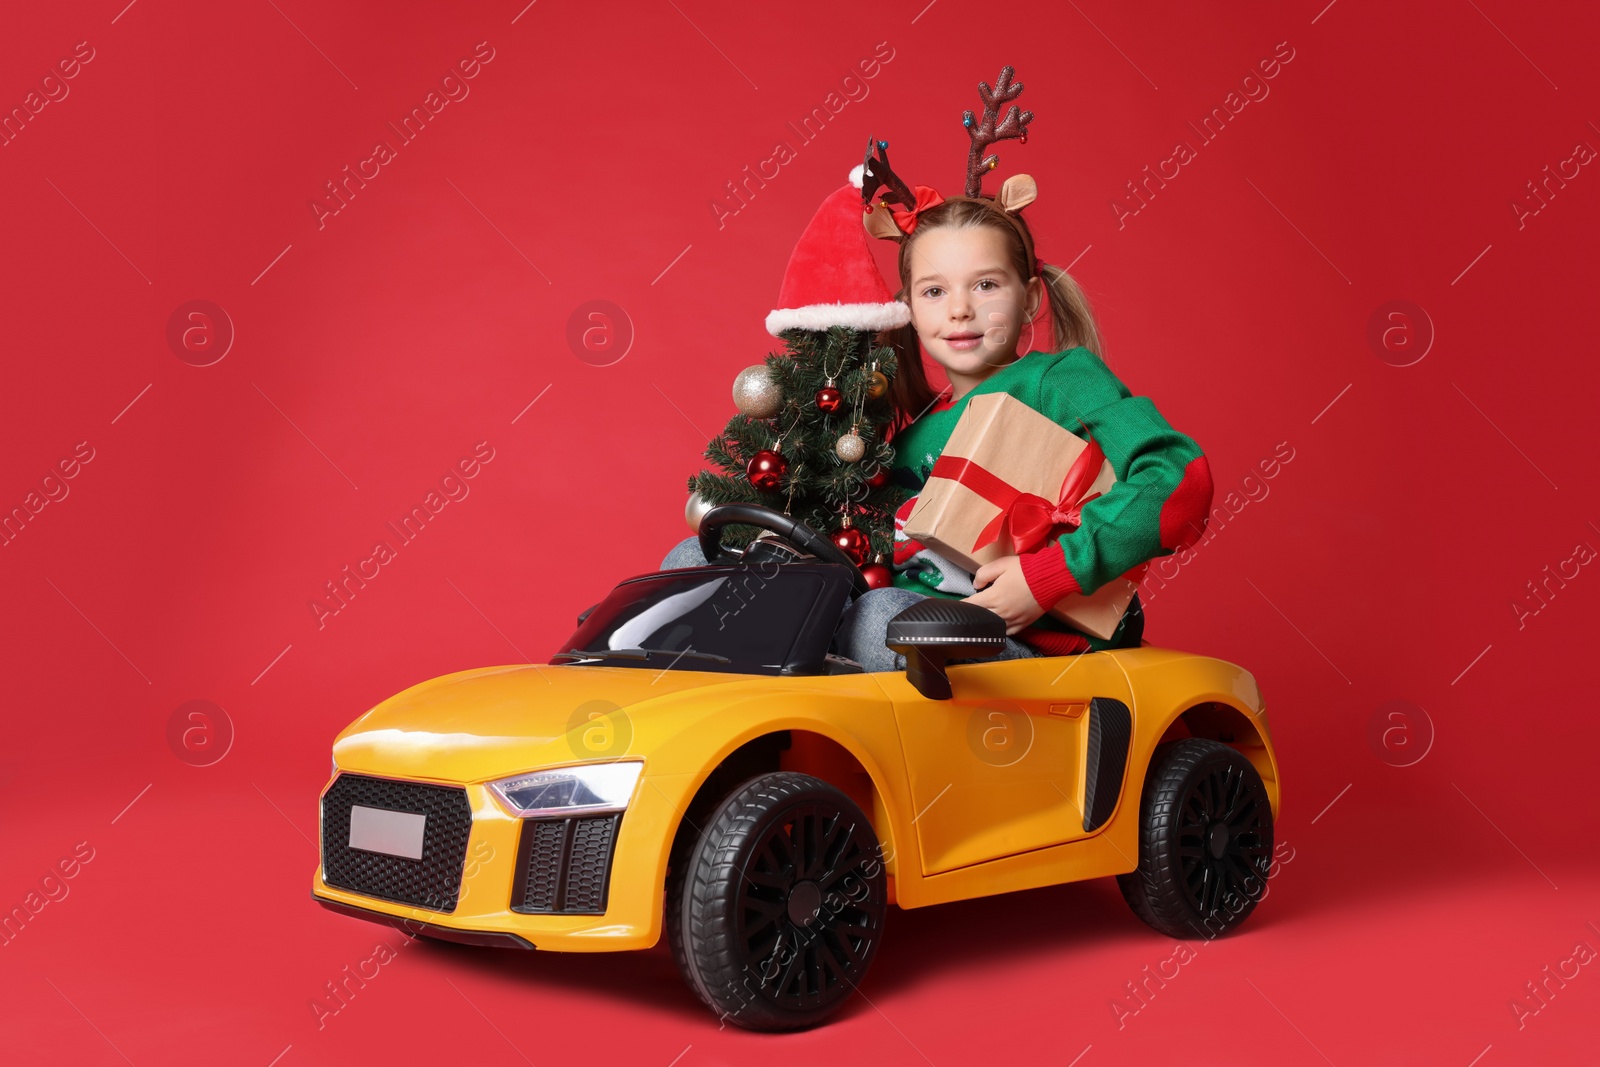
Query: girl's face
pixel 968 304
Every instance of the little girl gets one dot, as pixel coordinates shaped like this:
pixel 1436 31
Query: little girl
pixel 974 287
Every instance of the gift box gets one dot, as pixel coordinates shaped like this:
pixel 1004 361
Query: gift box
pixel 1010 481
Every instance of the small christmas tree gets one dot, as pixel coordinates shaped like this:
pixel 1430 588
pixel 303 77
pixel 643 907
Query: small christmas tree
pixel 810 438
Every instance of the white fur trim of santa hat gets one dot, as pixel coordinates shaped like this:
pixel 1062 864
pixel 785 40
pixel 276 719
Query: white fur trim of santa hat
pixel 832 279
pixel 854 316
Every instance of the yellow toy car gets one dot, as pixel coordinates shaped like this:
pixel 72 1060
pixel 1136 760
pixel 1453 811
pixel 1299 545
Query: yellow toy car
pixel 696 760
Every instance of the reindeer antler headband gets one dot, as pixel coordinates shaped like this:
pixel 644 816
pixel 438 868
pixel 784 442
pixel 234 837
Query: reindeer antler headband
pixel 885 220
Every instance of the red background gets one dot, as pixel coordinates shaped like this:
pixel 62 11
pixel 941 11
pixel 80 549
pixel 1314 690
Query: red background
pixel 374 352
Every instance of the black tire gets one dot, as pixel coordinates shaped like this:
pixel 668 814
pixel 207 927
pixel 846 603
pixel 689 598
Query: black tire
pixel 769 943
pixel 1205 841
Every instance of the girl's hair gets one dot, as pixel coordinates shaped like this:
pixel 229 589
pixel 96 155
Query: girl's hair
pixel 1071 321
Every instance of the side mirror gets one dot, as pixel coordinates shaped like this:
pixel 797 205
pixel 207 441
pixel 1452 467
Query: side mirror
pixel 584 614
pixel 933 631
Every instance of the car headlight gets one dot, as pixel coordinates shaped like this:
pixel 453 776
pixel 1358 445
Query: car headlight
pixel 586 788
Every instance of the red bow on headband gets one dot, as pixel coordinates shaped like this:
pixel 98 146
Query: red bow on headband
pixel 906 218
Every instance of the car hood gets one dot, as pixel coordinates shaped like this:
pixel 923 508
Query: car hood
pixel 499 720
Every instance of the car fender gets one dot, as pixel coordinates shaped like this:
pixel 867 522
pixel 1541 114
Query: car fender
pixel 851 711
pixel 1179 694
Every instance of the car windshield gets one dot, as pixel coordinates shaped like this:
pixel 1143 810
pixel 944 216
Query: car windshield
pixel 697 619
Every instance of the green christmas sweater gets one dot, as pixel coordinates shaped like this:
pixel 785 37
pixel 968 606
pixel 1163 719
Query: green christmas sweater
pixel 1159 503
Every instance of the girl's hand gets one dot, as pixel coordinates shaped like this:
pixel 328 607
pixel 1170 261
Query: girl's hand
pixel 1003 590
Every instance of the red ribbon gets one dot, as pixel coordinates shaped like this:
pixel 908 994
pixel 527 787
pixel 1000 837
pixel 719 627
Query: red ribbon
pixel 906 218
pixel 1027 517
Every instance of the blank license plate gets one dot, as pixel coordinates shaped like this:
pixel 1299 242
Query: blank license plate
pixel 394 833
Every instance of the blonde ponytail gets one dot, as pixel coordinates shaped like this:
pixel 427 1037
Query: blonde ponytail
pixel 1071 320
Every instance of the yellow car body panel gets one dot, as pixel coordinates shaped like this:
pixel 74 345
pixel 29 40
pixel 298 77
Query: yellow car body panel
pixel 957 813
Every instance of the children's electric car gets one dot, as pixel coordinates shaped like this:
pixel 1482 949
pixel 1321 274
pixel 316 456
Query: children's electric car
pixel 695 760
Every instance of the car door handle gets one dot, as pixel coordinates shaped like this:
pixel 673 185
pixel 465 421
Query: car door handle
pixel 1072 710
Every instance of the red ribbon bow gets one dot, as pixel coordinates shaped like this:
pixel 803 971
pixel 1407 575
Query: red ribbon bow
pixel 906 218
pixel 1027 517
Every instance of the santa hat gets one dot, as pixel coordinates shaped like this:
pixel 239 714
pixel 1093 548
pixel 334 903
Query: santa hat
pixel 832 279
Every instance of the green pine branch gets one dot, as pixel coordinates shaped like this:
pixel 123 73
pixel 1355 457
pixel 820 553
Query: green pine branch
pixel 819 487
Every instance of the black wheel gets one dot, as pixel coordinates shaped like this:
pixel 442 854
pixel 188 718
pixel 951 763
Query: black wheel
pixel 778 908
pixel 1205 841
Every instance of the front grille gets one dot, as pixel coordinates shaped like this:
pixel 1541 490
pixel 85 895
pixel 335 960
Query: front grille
pixel 564 865
pixel 432 882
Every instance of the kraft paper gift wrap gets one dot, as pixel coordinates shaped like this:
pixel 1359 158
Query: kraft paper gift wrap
pixel 1008 481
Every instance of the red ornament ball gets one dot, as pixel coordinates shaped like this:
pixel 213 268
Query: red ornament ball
pixel 877 575
pixel 829 399
pixel 853 542
pixel 878 479
pixel 766 469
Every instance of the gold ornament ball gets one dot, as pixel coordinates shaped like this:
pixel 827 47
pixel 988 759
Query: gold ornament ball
pixel 756 394
pixel 877 384
pixel 850 448
pixel 695 510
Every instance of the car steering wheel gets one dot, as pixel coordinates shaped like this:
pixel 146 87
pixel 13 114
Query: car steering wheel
pixel 791 530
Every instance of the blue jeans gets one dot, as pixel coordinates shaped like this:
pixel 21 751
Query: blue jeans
pixel 865 621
